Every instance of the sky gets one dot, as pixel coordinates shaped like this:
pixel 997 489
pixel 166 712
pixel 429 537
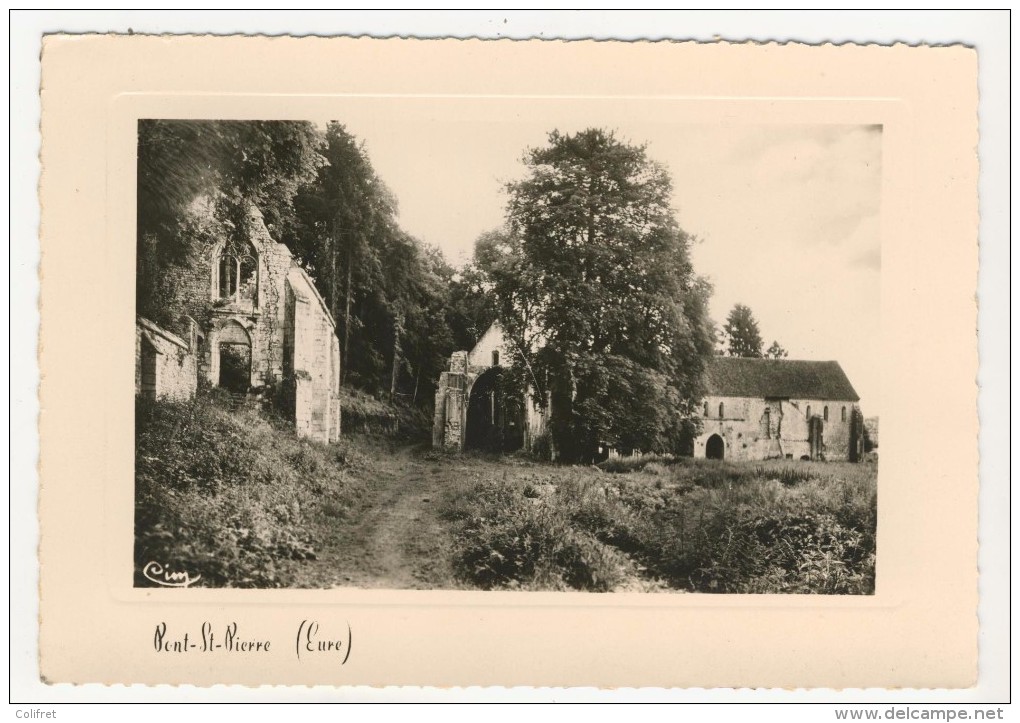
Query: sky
pixel 786 217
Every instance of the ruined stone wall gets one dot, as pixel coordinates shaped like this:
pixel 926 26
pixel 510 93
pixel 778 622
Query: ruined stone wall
pixel 315 362
pixel 450 414
pixel 275 262
pixel 289 330
pixel 453 393
pixel 165 364
pixel 263 321
pixel 751 434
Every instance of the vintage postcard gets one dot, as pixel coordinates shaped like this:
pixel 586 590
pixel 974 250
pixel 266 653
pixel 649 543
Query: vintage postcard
pixel 410 362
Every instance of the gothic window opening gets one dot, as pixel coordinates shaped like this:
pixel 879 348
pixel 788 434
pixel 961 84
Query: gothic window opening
pixel 825 413
pixel 842 414
pixel 237 274
pixel 721 410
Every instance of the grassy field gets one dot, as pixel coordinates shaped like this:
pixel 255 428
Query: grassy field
pixel 235 497
pixel 688 525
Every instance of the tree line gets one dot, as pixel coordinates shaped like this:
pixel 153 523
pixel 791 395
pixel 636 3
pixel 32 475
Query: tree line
pixel 590 275
pixel 400 308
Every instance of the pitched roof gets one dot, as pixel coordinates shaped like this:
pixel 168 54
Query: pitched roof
pixel 783 378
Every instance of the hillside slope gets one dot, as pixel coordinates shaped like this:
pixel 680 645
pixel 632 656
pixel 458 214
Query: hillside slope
pixel 230 496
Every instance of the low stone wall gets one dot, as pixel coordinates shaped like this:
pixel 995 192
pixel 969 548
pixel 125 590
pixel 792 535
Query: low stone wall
pixel 165 364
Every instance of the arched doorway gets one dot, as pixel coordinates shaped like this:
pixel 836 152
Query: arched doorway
pixel 816 442
pixel 234 346
pixel 492 424
pixel 715 447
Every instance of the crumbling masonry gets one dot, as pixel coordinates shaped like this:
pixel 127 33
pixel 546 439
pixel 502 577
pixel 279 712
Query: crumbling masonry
pixel 254 319
pixel 470 411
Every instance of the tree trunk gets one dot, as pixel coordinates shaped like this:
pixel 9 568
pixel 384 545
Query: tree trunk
pixel 347 314
pixel 334 293
pixel 398 322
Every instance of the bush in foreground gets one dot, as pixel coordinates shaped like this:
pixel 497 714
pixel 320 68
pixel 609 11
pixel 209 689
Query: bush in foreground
pixel 224 494
pixel 727 528
pixel 518 538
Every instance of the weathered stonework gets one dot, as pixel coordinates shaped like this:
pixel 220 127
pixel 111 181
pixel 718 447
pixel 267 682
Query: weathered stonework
pixel 261 322
pixel 453 395
pixel 776 423
pixel 311 359
pixel 165 364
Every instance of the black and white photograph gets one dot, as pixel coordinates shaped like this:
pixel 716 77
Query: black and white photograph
pixel 524 345
pixel 474 367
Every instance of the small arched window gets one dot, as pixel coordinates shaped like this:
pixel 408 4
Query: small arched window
pixel 495 357
pixel 842 414
pixel 825 414
pixel 721 410
pixel 706 409
pixel 808 413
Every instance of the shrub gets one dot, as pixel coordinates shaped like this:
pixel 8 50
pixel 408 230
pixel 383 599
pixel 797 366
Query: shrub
pixel 508 540
pixel 541 447
pixel 760 536
pixel 637 463
pixel 702 527
pixel 365 414
pixel 225 495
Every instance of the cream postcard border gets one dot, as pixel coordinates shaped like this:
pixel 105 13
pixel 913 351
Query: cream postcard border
pixel 920 629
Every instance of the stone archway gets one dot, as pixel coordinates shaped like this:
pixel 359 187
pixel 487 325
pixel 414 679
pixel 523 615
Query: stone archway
pixel 491 424
pixel 473 377
pixel 715 447
pixel 233 348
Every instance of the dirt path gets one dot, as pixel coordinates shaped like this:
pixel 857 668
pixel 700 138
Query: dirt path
pixel 395 538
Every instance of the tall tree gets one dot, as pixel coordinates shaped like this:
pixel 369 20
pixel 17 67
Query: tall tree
pixel 428 338
pixel 742 334
pixel 597 293
pixel 344 219
pixel 386 289
pixel 471 306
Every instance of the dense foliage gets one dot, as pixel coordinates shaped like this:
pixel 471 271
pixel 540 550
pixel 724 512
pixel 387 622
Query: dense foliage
pixel 388 291
pixel 398 305
pixel 690 525
pixel 741 333
pixel 223 494
pixel 196 180
pixel 596 291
